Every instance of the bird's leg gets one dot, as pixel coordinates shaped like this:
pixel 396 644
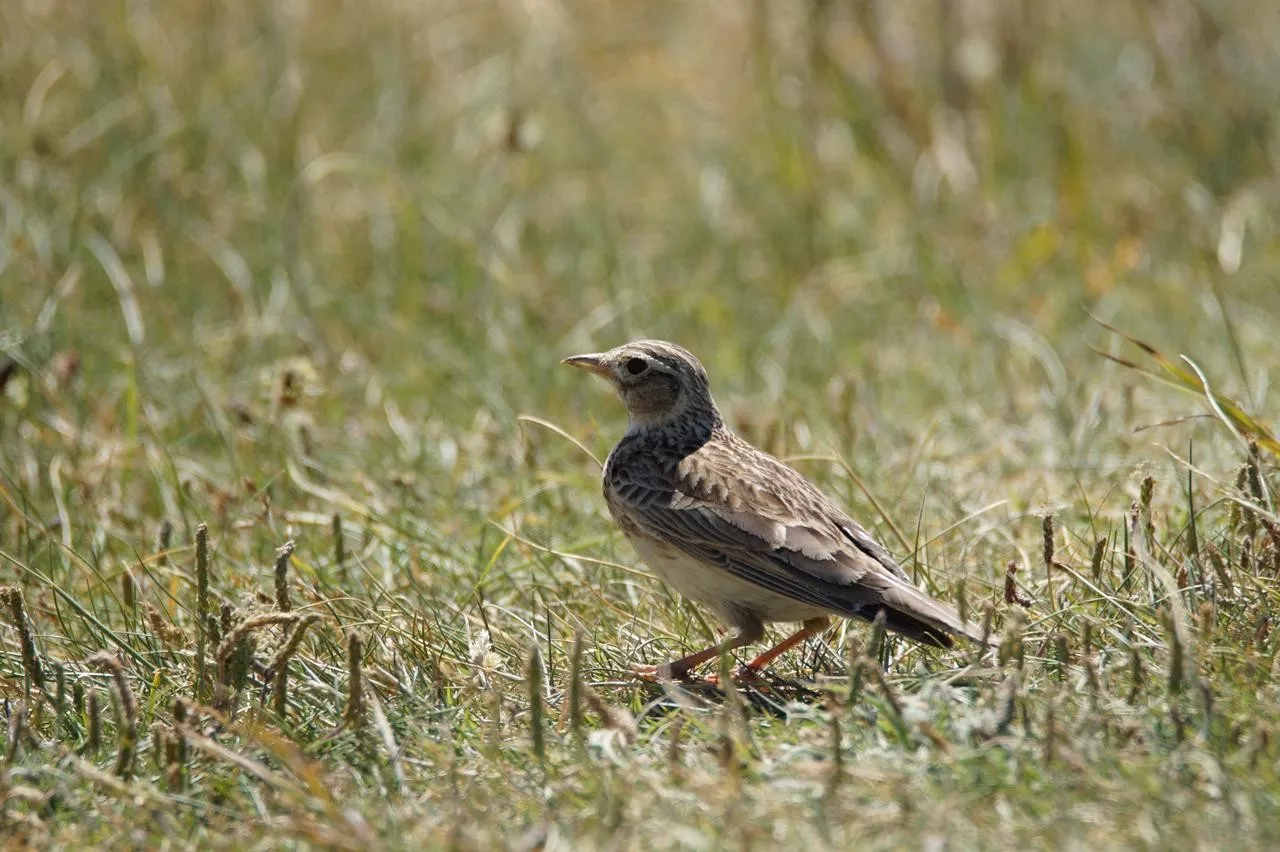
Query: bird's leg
pixel 812 627
pixel 680 669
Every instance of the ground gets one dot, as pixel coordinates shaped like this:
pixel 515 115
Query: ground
pixel 303 272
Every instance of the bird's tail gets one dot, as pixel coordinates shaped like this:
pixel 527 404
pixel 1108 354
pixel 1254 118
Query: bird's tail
pixel 917 616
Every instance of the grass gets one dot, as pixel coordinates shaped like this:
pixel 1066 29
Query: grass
pixel 298 276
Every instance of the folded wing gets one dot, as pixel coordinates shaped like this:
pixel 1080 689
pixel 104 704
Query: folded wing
pixel 779 532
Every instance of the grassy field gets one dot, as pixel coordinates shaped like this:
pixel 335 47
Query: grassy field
pixel 303 272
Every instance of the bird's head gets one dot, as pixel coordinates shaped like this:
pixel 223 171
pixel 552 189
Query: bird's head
pixel 657 381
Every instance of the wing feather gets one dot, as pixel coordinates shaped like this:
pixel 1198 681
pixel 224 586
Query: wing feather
pixel 775 530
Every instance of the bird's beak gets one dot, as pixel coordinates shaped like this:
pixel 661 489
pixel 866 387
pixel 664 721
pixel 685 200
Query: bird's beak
pixel 592 363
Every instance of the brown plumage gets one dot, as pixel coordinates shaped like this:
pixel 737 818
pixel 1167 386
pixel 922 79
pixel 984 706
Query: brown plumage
pixel 734 528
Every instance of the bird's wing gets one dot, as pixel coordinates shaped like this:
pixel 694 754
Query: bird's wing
pixel 731 505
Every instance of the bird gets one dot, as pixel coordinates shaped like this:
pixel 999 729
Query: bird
pixel 735 529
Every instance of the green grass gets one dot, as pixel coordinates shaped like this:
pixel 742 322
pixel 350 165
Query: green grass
pixel 269 267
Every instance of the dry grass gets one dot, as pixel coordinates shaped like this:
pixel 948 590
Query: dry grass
pixel 302 273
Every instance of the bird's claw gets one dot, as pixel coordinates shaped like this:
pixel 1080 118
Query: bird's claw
pixel 651 674
pixel 742 676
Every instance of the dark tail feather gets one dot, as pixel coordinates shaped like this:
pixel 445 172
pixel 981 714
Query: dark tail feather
pixel 905 625
pixel 917 616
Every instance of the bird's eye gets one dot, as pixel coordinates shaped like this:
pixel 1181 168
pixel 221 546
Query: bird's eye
pixel 636 366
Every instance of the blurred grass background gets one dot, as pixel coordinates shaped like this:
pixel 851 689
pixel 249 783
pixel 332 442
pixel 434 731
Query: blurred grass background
pixel 264 265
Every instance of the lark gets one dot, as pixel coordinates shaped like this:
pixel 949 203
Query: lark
pixel 735 529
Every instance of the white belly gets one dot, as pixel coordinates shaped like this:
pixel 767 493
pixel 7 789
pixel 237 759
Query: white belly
pixel 718 590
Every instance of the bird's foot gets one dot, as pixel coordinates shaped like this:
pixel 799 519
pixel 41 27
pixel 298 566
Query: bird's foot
pixel 651 674
pixel 742 676
pixel 665 673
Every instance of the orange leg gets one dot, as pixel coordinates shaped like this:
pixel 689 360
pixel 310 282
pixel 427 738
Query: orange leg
pixel 745 674
pixel 679 669
pixel 812 627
